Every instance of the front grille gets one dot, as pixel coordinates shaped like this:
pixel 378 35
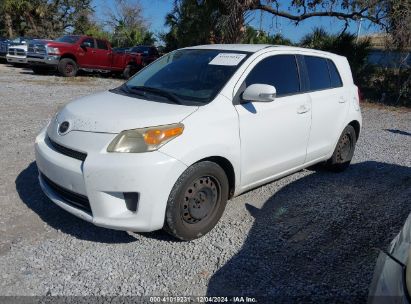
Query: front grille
pixel 71 198
pixel 67 151
pixel 17 52
pixel 37 49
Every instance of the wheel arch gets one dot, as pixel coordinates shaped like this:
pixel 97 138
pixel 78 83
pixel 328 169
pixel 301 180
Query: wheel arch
pixel 228 169
pixel 357 127
pixel 69 55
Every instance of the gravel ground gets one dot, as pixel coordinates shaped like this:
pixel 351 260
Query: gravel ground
pixel 312 235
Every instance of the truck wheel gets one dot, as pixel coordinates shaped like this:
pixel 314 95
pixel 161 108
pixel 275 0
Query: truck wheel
pixel 39 70
pixel 129 71
pixel 197 201
pixel 343 153
pixel 67 67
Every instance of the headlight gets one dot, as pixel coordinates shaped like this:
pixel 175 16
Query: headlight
pixel 144 140
pixel 52 51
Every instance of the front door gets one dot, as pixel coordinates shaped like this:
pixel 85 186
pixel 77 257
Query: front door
pixel 86 53
pixel 273 135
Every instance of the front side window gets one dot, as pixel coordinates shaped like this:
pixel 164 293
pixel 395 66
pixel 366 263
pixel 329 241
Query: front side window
pixel 190 77
pixel 102 45
pixel 279 71
pixel 318 75
pixel 88 42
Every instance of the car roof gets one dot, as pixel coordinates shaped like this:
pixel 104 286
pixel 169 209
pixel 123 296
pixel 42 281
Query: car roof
pixel 254 48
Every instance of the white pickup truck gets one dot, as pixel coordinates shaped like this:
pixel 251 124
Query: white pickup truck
pixel 17 54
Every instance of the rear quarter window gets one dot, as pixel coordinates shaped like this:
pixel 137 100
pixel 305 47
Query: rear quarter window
pixel 318 73
pixel 334 75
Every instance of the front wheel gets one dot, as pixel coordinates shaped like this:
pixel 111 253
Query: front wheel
pixel 67 67
pixel 344 151
pixel 197 201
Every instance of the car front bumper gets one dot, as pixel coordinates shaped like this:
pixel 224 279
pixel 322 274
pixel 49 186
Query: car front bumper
pixel 39 60
pixel 16 59
pixel 104 178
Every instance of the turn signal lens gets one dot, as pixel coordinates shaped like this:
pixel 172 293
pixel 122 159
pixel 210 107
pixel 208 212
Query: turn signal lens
pixel 146 139
pixel 157 136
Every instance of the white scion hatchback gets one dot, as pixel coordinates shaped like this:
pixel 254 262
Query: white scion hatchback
pixel 169 147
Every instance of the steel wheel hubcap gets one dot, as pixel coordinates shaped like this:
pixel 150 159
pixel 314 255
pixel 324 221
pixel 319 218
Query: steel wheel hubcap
pixel 345 148
pixel 200 199
pixel 69 68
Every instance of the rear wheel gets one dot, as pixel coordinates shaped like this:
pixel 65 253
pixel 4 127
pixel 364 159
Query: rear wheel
pixel 344 151
pixel 67 67
pixel 197 201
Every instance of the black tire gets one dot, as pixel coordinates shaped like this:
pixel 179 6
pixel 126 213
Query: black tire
pixel 344 151
pixel 67 67
pixel 197 201
pixel 39 70
pixel 127 72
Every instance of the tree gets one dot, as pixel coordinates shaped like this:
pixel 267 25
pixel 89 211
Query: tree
pixel 344 44
pixel 194 22
pixel 128 25
pixel 251 35
pixel 43 18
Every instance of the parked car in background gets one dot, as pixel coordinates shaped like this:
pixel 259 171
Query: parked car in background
pixel 196 127
pixel 17 54
pixel 4 45
pixel 71 53
pixel 148 53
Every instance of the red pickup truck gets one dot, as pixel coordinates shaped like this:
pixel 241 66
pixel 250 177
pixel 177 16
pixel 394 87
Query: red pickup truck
pixel 69 54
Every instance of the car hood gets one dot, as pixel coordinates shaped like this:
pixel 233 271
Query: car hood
pixel 112 113
pixel 19 46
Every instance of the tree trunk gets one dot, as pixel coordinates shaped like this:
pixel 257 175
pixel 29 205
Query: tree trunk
pixel 9 24
pixel 32 24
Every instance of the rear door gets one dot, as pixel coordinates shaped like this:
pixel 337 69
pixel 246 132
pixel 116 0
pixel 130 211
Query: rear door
pixel 103 55
pixel 329 101
pixel 273 135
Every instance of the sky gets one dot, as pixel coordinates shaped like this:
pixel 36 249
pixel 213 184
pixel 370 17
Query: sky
pixel 155 11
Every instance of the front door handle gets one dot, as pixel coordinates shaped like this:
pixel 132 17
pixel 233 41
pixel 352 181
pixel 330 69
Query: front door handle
pixel 303 109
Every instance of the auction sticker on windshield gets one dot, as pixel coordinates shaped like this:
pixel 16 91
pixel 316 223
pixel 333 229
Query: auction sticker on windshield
pixel 227 59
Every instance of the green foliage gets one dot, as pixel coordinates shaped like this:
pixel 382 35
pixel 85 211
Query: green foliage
pixel 193 22
pixel 253 36
pixel 344 44
pixel 43 18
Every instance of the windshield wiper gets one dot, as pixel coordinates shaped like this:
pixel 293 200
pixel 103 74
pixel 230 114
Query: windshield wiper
pixel 140 89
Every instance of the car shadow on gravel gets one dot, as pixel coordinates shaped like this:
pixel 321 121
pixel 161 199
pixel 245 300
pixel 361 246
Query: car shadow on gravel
pixel 316 239
pixel 29 190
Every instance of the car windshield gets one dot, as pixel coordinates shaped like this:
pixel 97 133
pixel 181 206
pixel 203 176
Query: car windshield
pixel 191 77
pixel 68 39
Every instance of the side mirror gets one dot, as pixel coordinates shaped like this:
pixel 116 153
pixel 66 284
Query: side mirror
pixel 259 92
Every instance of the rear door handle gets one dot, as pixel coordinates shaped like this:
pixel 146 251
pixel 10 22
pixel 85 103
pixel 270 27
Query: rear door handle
pixel 303 109
pixel 342 100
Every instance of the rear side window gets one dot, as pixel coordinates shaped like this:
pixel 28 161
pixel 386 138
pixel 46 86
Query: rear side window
pixel 318 75
pixel 279 71
pixel 334 75
pixel 101 44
